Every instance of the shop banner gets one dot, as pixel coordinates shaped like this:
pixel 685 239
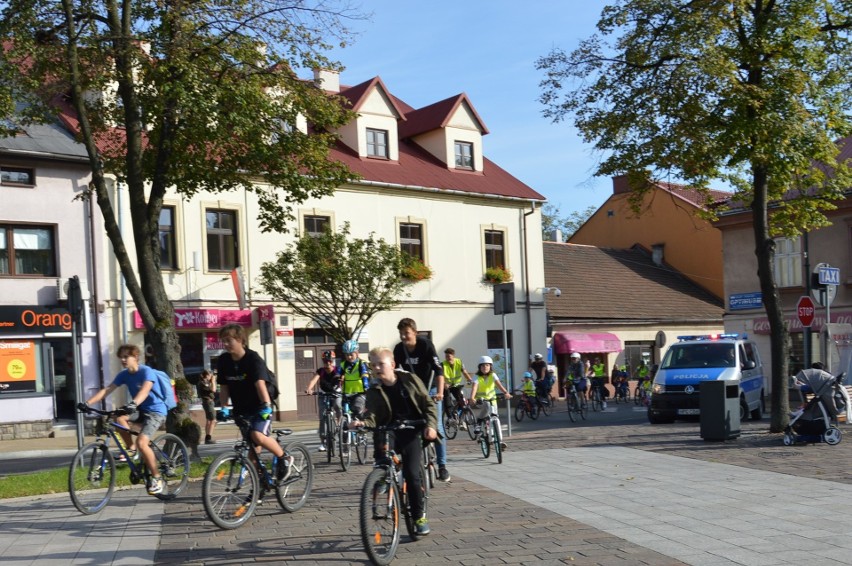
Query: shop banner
pixel 189 319
pixel 34 319
pixel 17 366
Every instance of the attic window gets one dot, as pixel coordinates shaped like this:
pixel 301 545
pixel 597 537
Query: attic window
pixel 464 155
pixel 377 143
pixel 17 176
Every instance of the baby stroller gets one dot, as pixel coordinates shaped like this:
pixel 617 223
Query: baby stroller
pixel 816 420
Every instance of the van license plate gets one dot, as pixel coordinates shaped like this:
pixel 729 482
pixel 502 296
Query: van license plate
pixel 688 412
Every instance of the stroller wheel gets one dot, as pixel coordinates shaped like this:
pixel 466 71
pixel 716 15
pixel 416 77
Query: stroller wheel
pixel 789 439
pixel 832 435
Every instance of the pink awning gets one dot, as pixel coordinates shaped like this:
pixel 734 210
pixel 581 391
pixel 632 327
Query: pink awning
pixel 585 342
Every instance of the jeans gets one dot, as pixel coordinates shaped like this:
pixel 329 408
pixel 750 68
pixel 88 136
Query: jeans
pixel 440 447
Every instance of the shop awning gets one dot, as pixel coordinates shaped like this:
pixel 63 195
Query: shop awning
pixel 585 342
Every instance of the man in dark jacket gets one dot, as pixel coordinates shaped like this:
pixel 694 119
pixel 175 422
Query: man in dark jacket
pixel 400 395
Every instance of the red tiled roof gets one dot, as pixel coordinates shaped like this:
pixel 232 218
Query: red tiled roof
pixel 436 116
pixel 693 195
pixel 356 95
pixel 600 284
pixel 418 168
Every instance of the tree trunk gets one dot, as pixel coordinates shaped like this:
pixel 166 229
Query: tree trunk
pixel 765 252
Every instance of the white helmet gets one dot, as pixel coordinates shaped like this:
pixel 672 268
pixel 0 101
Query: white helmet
pixel 575 356
pixel 486 360
pixel 538 356
pixel 551 369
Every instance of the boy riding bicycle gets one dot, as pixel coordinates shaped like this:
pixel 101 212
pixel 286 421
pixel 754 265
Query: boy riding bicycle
pixel 356 377
pixel 328 377
pixel 402 396
pixel 454 370
pixel 485 381
pixel 146 411
pixel 241 373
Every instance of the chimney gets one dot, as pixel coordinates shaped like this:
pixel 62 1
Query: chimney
pixel 327 80
pixel 556 236
pixel 657 253
pixel 620 185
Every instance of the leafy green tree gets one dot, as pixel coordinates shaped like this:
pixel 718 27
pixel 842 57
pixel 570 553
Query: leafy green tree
pixel 552 219
pixel 181 96
pixel 336 281
pixel 752 92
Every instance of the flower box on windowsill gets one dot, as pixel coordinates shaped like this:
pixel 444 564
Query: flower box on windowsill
pixel 496 275
pixel 416 270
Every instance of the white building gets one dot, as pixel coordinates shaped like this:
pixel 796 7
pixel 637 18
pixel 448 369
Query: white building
pixel 426 186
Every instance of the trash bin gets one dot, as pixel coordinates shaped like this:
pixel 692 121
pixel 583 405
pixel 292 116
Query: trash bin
pixel 719 402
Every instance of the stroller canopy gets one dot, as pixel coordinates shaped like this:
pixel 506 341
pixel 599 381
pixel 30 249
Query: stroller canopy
pixel 820 383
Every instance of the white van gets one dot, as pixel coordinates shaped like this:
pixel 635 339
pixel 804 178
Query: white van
pixel 694 359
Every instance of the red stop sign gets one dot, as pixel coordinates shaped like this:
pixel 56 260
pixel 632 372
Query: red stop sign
pixel 805 310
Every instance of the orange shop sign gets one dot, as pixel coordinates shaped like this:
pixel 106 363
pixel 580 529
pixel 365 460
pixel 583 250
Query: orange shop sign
pixel 17 366
pixel 36 319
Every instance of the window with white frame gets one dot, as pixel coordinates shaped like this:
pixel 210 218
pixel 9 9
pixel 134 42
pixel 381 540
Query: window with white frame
pixel 411 239
pixel 495 254
pixel 464 155
pixel 168 246
pixel 788 262
pixel 27 250
pixel 222 245
pixel 315 225
pixel 377 143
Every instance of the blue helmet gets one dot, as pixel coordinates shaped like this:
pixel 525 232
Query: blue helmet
pixel 528 374
pixel 350 346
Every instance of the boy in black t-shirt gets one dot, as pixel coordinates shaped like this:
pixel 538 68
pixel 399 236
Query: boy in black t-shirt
pixel 328 376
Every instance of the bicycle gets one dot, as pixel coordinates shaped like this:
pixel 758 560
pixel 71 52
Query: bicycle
pixel 577 404
pixel 328 423
pixel 639 393
pixel 349 437
pixel 622 392
pixel 526 406
pixel 642 397
pixel 489 434
pixel 595 397
pixel 384 495
pixel 235 482
pixel 453 414
pixel 430 464
pixel 91 476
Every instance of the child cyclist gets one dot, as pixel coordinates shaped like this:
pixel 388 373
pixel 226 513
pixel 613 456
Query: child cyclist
pixel 144 409
pixel 402 396
pixel 485 382
pixel 241 374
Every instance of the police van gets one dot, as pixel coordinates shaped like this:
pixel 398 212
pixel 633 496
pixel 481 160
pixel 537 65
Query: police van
pixel 696 359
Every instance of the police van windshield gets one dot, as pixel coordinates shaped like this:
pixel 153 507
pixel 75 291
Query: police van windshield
pixel 700 355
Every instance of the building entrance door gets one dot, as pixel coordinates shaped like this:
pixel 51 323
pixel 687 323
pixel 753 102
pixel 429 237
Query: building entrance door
pixel 308 359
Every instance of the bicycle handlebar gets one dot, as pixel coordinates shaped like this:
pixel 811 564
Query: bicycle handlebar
pixel 93 410
pixel 397 425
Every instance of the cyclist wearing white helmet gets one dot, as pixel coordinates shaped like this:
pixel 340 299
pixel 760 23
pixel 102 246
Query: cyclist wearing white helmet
pixel 485 381
pixel 356 377
pixel 538 366
pixel 576 373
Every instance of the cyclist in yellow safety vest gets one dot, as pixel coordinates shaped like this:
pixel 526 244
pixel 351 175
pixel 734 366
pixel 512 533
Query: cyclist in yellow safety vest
pixel 356 378
pixel 528 387
pixel 454 371
pixel 485 382
pixel 598 377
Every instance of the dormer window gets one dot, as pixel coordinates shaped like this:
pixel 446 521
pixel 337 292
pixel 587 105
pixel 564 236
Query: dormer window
pixel 464 155
pixel 377 143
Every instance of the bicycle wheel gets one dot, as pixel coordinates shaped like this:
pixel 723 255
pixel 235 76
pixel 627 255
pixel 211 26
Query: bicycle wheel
pixel 637 396
pixel 597 403
pixel 410 525
pixel 519 412
pixel 91 478
pixel 571 401
pixel 470 420
pixel 430 459
pixel 293 491
pixel 230 490
pixel 485 441
pixel 546 406
pixel 379 517
pixel 533 410
pixel 173 463
pixel 495 438
pixel 330 433
pixel 583 408
pixel 344 442
pixel 451 427
pixel 361 447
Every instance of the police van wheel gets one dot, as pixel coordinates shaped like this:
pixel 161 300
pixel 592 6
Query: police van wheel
pixel 743 409
pixel 757 414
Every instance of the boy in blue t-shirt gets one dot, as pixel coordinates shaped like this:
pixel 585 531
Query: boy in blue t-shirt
pixel 146 411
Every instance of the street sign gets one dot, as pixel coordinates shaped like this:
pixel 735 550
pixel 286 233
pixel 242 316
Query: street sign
pixel 829 275
pixel 823 293
pixel 805 311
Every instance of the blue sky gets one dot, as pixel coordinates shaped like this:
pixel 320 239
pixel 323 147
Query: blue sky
pixel 428 51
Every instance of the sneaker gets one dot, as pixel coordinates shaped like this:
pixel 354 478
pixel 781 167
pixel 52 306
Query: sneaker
pixel 260 495
pixel 604 404
pixel 156 486
pixel 421 526
pixel 503 446
pixel 443 474
pixel 284 466
pixel 463 425
pixel 322 447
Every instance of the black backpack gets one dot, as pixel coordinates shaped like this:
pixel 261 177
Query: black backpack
pixel 271 385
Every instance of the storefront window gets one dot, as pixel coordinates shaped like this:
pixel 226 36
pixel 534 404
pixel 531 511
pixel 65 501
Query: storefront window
pixel 21 367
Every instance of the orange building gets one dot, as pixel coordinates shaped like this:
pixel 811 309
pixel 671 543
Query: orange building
pixel 668 227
